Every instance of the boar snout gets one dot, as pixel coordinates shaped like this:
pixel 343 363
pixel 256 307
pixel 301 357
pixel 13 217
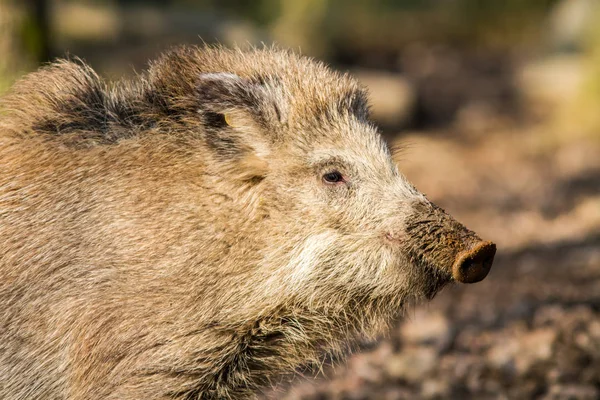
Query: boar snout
pixel 474 264
pixel 438 241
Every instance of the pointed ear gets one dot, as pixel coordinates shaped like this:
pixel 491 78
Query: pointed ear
pixel 237 118
pixel 218 91
pixel 235 97
pixel 229 94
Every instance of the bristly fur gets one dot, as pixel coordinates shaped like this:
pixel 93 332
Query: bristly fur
pixel 170 237
pixel 69 100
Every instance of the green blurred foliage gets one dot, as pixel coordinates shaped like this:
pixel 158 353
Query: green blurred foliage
pixel 393 23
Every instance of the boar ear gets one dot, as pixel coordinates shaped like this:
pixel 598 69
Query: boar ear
pixel 220 91
pixel 232 111
pixel 227 99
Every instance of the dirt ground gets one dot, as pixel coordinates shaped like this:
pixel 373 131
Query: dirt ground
pixel 532 328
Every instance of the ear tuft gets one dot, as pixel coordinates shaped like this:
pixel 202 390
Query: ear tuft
pixel 221 91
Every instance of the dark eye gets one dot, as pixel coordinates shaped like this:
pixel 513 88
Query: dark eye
pixel 333 177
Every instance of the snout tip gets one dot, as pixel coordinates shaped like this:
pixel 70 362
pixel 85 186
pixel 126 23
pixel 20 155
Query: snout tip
pixel 474 264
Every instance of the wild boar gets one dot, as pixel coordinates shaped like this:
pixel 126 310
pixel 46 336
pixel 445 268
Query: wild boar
pixel 204 229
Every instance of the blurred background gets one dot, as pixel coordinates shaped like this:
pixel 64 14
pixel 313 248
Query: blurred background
pixel 493 108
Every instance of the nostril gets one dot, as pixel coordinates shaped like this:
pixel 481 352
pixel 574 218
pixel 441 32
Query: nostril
pixel 473 265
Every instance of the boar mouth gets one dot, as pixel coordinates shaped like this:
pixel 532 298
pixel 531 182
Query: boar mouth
pixel 430 277
pixel 435 283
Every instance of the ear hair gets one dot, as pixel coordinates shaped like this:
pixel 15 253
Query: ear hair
pixel 230 94
pixel 220 92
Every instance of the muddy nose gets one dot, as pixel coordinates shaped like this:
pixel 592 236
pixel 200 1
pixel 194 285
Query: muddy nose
pixel 473 265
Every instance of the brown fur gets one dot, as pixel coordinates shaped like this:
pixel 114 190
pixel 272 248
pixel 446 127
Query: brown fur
pixel 172 237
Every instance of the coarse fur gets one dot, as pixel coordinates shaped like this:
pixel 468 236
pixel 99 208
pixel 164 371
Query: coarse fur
pixel 172 237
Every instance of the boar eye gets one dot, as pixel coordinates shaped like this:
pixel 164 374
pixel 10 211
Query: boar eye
pixel 333 177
